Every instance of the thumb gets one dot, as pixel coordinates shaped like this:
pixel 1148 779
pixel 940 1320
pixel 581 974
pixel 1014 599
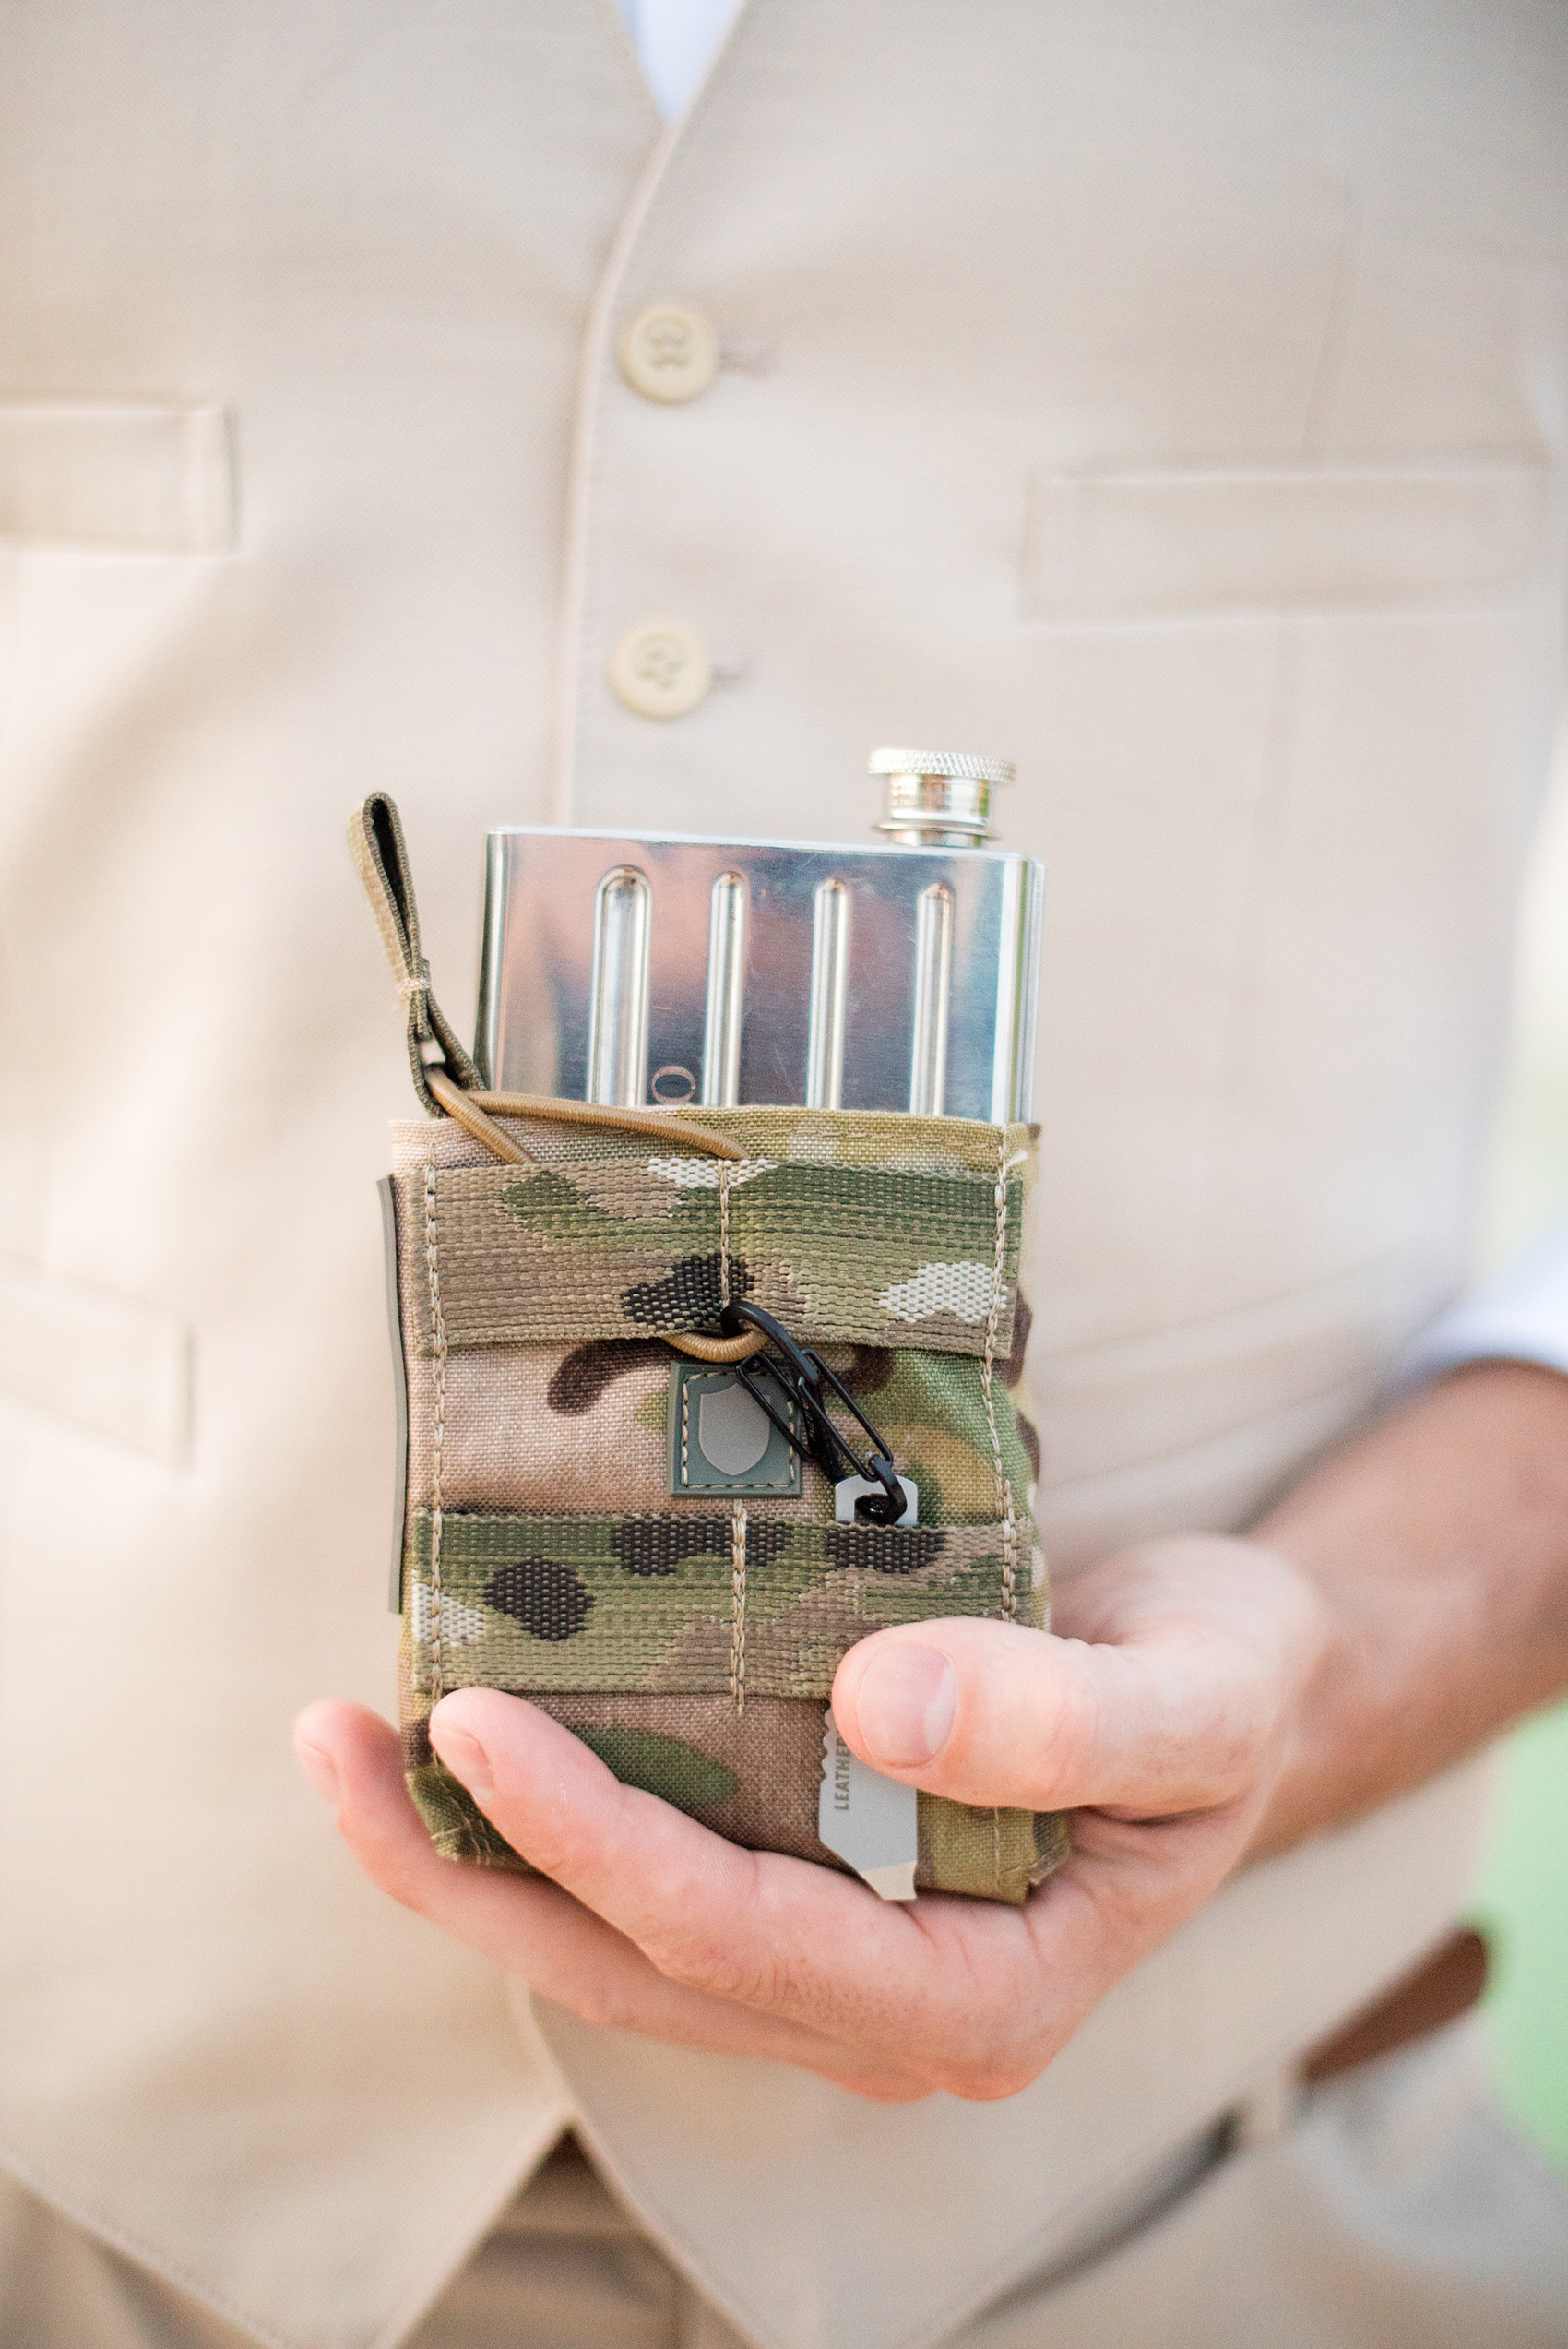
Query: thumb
pixel 1175 1715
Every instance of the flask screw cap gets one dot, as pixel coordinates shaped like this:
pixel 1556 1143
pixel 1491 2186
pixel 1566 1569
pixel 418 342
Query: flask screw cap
pixel 938 798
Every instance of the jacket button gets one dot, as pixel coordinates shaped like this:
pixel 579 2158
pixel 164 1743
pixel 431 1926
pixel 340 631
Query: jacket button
pixel 660 671
pixel 669 353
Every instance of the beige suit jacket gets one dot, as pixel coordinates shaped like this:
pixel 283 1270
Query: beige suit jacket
pixel 1174 396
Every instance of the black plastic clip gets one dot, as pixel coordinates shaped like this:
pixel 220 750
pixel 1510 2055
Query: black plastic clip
pixel 800 1375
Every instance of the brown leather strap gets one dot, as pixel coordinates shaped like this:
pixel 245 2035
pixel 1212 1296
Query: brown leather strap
pixel 1445 1986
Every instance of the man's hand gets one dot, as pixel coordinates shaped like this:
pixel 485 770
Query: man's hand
pixel 1160 1713
pixel 1202 1700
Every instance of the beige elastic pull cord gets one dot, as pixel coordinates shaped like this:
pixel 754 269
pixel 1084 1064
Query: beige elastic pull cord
pixel 719 1351
pixel 465 1110
pixel 627 1121
pixel 446 1078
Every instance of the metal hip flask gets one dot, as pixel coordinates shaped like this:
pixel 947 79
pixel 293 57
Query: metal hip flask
pixel 631 968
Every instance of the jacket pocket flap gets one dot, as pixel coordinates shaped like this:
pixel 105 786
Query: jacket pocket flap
pixel 1189 541
pixel 128 477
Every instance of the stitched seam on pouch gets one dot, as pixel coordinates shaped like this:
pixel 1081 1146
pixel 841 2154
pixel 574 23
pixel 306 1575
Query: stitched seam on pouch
pixel 438 1344
pixel 1003 1488
pixel 1004 1509
pixel 724 1175
pixel 738 1589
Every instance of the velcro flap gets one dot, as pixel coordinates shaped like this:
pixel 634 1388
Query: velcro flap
pixel 637 1246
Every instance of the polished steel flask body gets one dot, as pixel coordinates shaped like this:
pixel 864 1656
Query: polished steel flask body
pixel 631 968
pixel 637 967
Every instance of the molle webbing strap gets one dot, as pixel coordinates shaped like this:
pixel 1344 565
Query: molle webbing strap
pixel 648 1245
pixel 644 1602
pixel 375 836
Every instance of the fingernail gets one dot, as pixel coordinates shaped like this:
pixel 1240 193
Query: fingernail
pixel 322 1772
pixel 906 1703
pixel 463 1755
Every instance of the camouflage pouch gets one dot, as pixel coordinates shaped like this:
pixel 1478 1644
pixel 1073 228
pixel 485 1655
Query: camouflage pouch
pixel 583 1522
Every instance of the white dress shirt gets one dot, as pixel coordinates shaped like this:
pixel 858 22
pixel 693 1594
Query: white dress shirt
pixel 1521 1315
pixel 676 41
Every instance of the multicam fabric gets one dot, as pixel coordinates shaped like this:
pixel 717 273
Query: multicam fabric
pixel 622 1603
pixel 618 1248
pixel 690 1642
pixel 750 1776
